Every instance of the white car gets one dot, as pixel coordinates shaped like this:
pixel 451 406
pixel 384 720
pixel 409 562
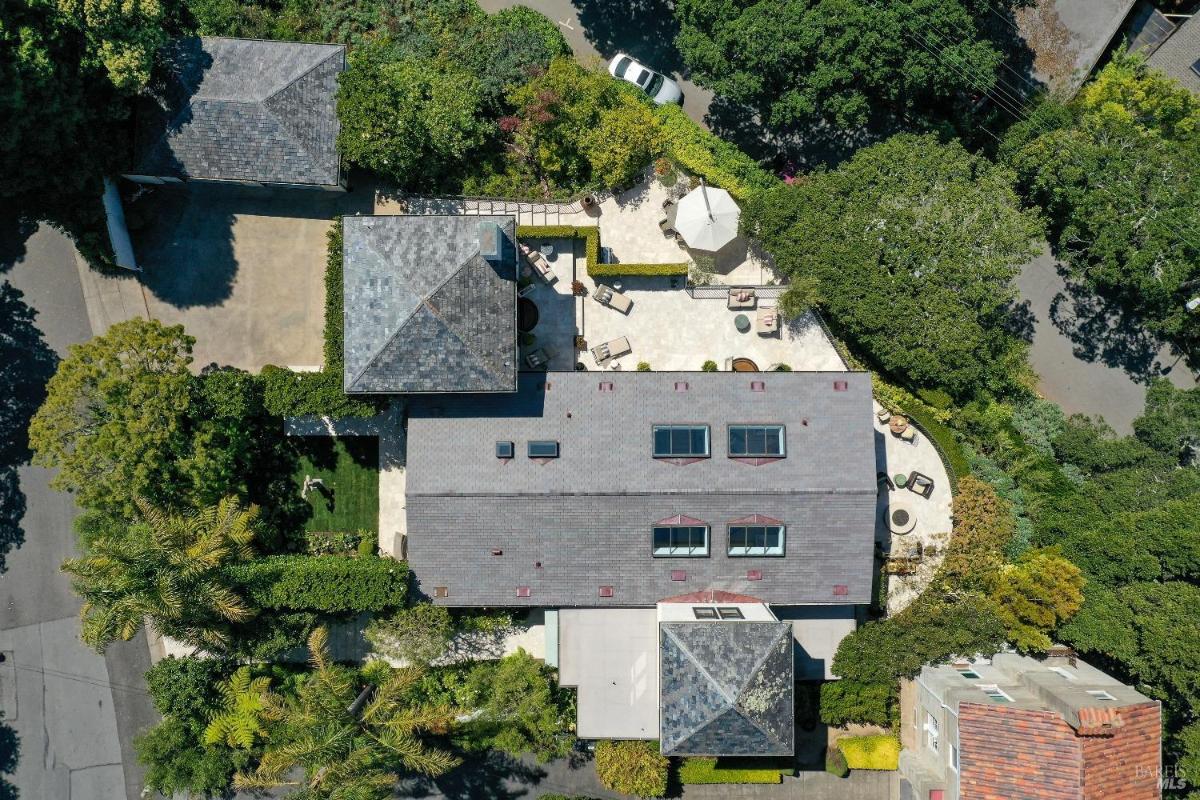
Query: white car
pixel 661 89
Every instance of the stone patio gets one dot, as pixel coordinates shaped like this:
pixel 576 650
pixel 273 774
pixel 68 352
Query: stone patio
pixel 933 514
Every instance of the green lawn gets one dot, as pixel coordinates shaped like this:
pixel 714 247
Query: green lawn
pixel 350 469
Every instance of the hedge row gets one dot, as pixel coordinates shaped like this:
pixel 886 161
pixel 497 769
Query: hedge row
pixel 946 441
pixel 591 249
pixel 701 153
pixel 711 770
pixel 335 307
pixel 296 394
pixel 327 584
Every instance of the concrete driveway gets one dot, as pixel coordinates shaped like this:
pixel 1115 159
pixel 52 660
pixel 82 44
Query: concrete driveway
pixel 242 269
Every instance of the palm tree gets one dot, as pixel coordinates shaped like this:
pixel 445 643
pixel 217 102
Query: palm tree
pixel 244 709
pixel 352 744
pixel 166 568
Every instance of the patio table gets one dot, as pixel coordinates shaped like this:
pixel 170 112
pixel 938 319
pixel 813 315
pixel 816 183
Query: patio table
pixel 898 424
pixel 742 323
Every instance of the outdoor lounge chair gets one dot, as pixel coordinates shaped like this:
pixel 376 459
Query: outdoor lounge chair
pixel 920 483
pixel 909 435
pixel 883 416
pixel 539 263
pixel 742 298
pixel 608 296
pixel 536 359
pixel 616 348
pixel 767 322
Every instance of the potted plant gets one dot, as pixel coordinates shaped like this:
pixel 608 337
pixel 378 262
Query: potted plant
pixel 589 201
pixel 578 289
pixel 664 170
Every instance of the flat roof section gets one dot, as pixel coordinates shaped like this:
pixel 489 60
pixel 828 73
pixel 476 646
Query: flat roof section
pixel 611 656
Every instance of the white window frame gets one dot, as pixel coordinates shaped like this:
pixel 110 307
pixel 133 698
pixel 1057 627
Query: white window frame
pixel 764 425
pixel 681 552
pixel 994 692
pixel 953 756
pixel 681 426
pixel 932 732
pixel 1100 694
pixel 1063 672
pixel 748 550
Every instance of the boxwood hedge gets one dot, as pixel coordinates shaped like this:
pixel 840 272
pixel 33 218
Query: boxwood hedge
pixel 591 238
pixel 327 584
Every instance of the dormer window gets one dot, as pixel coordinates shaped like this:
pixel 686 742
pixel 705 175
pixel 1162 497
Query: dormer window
pixel 755 540
pixel 680 540
pixel 756 441
pixel 681 441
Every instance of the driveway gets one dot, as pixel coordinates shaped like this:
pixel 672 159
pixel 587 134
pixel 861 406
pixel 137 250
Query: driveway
pixel 74 711
pixel 242 269
pixel 645 29
pixel 1090 358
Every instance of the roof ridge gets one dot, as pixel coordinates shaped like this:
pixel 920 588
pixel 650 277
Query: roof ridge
pixel 767 653
pixel 437 311
pixel 266 107
pixel 299 77
pixel 711 680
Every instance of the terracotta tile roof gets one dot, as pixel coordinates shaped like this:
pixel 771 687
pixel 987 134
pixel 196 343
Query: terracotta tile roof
pixel 1098 721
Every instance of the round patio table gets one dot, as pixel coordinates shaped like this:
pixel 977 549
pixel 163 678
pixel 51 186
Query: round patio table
pixel 898 424
pixel 742 323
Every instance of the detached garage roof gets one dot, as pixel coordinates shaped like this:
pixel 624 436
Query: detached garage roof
pixel 242 110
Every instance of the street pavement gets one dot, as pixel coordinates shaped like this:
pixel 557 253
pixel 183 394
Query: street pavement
pixel 74 711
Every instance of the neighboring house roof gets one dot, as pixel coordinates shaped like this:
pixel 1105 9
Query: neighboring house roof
pixel 1067 38
pixel 726 688
pixel 242 110
pixel 1178 53
pixel 567 526
pixel 426 311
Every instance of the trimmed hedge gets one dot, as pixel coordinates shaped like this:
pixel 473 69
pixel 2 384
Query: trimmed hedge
pixel 881 751
pixel 701 153
pixel 591 238
pixel 328 584
pixel 335 306
pixel 695 771
pixel 295 394
pixel 945 440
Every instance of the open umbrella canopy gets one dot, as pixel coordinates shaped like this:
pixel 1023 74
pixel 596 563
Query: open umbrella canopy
pixel 707 218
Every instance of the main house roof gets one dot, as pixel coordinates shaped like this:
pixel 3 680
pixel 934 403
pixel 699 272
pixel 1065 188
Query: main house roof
pixel 1177 55
pixel 426 311
pixel 726 688
pixel 242 110
pixel 567 526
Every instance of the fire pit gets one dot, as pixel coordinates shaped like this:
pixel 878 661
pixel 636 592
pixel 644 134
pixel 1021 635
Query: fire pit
pixel 900 517
pixel 744 365
pixel 527 315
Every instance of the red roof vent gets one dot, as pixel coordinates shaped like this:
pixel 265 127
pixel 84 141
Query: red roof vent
pixel 758 386
pixel 496 551
pixel 523 591
pixel 606 386
pixel 681 386
pixel 841 589
pixel 678 575
pixel 606 591
pixel 754 575
pixel 441 591
pixel 937 794
pixel 840 386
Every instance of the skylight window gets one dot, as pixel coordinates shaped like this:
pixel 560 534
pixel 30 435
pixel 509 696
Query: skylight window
pixel 681 441
pixel 680 540
pixel 995 692
pixel 543 449
pixel 756 441
pixel 1063 672
pixel 755 540
pixel 704 612
pixel 1100 694
pixel 730 612
pixel 504 449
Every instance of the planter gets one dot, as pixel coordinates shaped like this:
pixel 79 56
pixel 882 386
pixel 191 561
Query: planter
pixel 589 202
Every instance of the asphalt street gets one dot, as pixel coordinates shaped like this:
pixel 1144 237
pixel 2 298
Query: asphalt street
pixel 75 712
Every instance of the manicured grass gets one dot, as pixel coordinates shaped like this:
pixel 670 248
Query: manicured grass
pixel 727 770
pixel 871 752
pixel 350 469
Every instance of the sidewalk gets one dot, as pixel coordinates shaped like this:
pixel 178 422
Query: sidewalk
pixel 110 298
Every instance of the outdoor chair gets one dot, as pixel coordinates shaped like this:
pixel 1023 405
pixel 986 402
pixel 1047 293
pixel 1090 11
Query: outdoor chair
pixel 742 298
pixel 883 416
pixel 665 226
pixel 884 480
pixel 536 359
pixel 540 265
pixel 611 349
pixel 608 296
pixel 767 322
pixel 920 483
pixel 909 435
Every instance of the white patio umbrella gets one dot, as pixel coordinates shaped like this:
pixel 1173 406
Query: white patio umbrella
pixel 707 219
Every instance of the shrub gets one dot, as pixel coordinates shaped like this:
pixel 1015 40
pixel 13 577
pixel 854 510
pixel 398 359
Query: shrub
pixel 846 701
pixel 335 307
pixel 983 524
pixel 591 249
pixel 835 763
pixel 416 635
pixel 597 270
pixel 870 752
pixel 782 368
pixel 632 767
pixel 947 443
pixel 709 366
pixel 329 584
pixel 708 156
pixel 297 394
pixel 643 366
pixel 695 771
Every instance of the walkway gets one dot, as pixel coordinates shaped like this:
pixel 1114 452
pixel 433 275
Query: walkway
pixel 1090 359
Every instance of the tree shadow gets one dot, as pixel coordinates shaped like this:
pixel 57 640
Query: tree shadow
pixel 1103 330
pixel 644 29
pixel 491 775
pixel 10 754
pixel 26 365
pixel 1020 321
pixel 15 231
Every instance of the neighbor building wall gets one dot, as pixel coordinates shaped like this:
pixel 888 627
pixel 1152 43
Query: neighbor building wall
pixel 1125 765
pixel 1008 753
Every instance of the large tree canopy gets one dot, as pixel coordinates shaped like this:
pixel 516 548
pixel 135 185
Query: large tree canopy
pixel 1118 175
pixel 842 60
pixel 914 245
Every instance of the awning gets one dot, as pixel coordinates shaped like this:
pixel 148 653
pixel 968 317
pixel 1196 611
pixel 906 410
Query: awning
pixel 707 218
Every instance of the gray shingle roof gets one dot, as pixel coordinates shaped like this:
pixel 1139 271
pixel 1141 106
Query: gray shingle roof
pixel 242 109
pixel 726 688
pixel 569 525
pixel 425 312
pixel 1176 55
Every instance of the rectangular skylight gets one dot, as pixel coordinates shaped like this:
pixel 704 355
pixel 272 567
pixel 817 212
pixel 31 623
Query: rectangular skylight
pixel 756 441
pixel 681 441
pixel 543 449
pixel 995 692
pixel 1100 694
pixel 727 612
pixel 704 612
pixel 504 449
